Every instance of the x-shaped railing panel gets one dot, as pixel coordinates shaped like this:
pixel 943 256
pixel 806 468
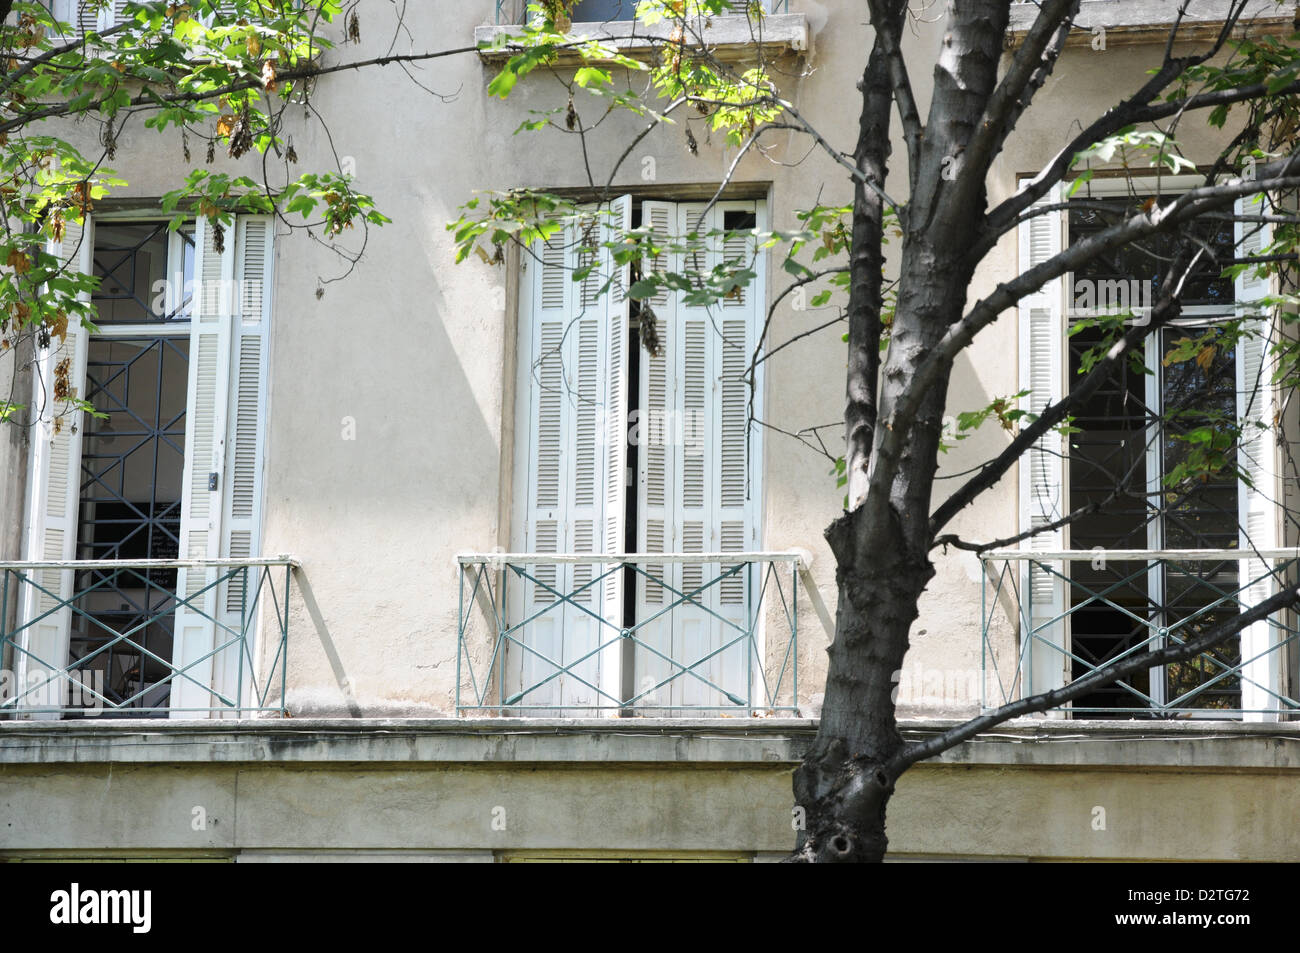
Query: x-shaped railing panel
pixel 1198 598
pixel 233 636
pixel 481 658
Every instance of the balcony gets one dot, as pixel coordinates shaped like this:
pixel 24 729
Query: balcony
pixel 650 635
pixel 1049 618
pixel 144 638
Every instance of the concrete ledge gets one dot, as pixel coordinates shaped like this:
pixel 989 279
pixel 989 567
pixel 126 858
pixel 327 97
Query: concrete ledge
pixel 1027 743
pixel 729 37
pixel 535 789
pixel 1136 21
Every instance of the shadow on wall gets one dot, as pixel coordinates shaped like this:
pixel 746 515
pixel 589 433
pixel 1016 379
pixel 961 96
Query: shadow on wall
pixel 326 641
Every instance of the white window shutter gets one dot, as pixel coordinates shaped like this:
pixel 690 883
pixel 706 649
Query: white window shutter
pixel 613 441
pixel 1042 484
pixel 655 490
pixel 53 490
pixel 85 17
pixel 241 489
pixel 574 379
pixel 544 304
pixel 735 470
pixel 1257 455
pixel 697 436
pixel 205 455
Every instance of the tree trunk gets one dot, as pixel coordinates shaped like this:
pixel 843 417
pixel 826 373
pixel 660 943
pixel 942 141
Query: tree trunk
pixel 845 782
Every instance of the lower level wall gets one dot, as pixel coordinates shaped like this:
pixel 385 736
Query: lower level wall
pixel 668 793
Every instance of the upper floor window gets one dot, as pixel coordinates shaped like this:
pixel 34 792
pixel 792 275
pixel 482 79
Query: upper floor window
pixel 168 466
pixel 1131 472
pixel 145 272
pixel 634 435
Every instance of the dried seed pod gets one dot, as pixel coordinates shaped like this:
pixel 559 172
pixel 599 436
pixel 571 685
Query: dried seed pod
pixel 650 332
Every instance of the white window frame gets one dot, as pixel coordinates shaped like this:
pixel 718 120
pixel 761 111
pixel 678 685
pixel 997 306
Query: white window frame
pixel 1040 669
pixel 244 313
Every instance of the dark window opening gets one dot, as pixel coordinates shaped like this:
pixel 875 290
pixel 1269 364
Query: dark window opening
pixel 1119 461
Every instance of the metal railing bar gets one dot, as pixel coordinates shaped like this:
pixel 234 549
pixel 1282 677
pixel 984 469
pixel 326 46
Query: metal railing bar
pixel 1129 555
pixel 652 559
pixel 22 564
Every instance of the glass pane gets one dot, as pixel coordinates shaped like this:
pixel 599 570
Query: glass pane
pixel 596 11
pixel 131 473
pixel 1122 607
pixel 146 273
pixel 1145 261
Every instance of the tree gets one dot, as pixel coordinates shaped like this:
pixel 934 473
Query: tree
pixel 223 74
pixel 908 317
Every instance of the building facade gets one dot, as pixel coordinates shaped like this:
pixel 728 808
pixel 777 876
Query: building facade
pixel 330 579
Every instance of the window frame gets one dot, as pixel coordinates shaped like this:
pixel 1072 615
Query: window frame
pixel 243 311
pixel 522 464
pixel 1058 294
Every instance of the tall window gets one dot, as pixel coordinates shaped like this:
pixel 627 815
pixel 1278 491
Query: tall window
pixel 1128 460
pixel 169 465
pixel 635 436
pixel 1125 460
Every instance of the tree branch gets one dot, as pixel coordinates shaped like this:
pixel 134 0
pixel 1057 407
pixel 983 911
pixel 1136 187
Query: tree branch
pixel 1099 678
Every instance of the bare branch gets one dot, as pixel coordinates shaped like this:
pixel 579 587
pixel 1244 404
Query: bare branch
pixel 1099 678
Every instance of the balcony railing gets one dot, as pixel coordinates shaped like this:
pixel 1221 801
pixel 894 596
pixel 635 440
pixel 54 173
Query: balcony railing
pixel 144 638
pixel 1049 618
pixel 632 634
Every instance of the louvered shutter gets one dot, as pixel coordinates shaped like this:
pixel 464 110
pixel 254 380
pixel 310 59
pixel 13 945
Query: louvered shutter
pixel 1257 455
pixel 582 388
pixel 53 492
pixel 544 306
pixel 242 478
pixel 735 477
pixel 613 441
pixel 698 484
pixel 574 465
pixel 205 451
pixel 655 498
pixel 85 17
pixel 1042 484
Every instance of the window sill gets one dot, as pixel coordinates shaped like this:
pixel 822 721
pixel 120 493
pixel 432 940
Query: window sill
pixel 1145 21
pixel 730 37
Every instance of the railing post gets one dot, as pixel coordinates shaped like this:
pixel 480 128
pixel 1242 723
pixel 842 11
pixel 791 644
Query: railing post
pixel 753 639
pixel 499 650
pixel 243 643
pixel 284 642
pixel 984 632
pixel 460 625
pixel 794 631
pixel 1028 674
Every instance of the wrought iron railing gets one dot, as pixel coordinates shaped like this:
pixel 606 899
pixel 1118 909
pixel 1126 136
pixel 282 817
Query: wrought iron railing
pixel 1049 618
pixel 100 637
pixel 633 634
pixel 511 11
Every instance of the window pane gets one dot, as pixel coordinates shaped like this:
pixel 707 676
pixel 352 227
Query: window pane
pixel 1147 260
pixel 595 11
pixel 145 273
pixel 132 466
